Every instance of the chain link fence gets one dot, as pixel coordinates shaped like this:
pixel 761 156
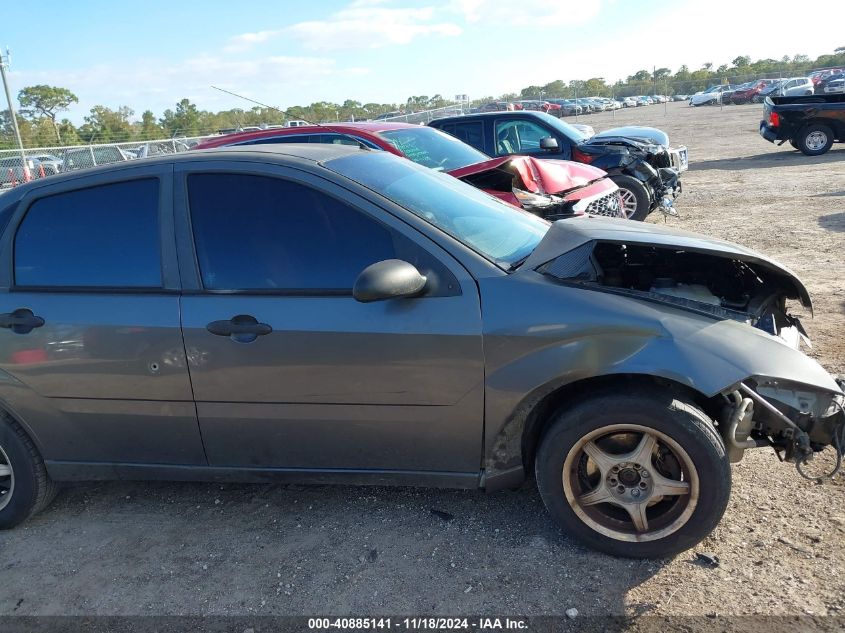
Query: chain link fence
pixel 42 162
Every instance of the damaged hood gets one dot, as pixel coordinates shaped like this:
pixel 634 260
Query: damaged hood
pixel 641 144
pixel 539 176
pixel 565 235
pixel 636 132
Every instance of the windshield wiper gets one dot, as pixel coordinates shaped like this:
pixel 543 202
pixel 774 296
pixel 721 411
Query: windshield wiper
pixel 518 263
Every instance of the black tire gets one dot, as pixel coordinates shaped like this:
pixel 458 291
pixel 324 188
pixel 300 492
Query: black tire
pixel 794 143
pixel 32 488
pixel 756 99
pixel 633 192
pixel 660 413
pixel 814 139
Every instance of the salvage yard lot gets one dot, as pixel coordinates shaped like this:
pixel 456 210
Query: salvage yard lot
pixel 150 548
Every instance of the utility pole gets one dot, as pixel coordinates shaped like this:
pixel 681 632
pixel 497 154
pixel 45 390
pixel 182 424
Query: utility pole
pixel 5 61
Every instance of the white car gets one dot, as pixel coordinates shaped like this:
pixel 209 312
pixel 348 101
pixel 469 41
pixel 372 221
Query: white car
pixel 711 96
pixel 629 102
pixel 837 86
pixel 795 87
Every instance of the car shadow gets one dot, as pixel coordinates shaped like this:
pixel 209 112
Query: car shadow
pixel 287 549
pixel 831 194
pixel 768 159
pixel 833 221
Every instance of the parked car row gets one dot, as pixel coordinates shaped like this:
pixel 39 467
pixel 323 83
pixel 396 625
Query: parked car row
pixel 757 90
pixel 570 107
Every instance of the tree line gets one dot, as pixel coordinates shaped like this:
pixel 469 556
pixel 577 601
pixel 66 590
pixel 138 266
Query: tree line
pixel 41 105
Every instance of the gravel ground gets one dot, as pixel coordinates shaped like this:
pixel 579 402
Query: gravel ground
pixel 151 548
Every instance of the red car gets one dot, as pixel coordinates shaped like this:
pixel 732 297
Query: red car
pixel 541 106
pixel 752 93
pixel 550 189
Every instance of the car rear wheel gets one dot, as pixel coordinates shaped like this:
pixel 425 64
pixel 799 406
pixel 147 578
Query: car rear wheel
pixel 25 487
pixel 815 139
pixel 633 196
pixel 634 475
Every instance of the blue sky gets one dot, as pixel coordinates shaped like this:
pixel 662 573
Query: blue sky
pixel 150 54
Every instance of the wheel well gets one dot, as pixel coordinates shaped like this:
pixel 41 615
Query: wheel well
pixel 538 419
pixel 825 122
pixel 7 413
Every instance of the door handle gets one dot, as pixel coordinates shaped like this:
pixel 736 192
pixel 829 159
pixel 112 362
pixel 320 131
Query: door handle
pixel 242 328
pixel 21 321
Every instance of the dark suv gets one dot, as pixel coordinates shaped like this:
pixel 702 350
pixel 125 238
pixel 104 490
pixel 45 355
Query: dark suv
pixel 321 313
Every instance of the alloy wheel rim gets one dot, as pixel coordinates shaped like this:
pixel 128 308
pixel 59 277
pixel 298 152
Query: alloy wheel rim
pixel 629 203
pixel 630 482
pixel 7 479
pixel 816 140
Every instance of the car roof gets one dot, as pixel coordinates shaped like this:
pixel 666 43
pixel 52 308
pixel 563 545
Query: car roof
pixel 487 115
pixel 349 127
pixel 271 152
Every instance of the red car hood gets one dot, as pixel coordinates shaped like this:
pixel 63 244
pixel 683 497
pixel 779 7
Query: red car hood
pixel 539 176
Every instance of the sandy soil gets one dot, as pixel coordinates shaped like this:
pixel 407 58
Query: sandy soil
pixel 139 548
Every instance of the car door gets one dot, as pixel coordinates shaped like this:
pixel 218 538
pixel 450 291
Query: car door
pixel 92 350
pixel 316 379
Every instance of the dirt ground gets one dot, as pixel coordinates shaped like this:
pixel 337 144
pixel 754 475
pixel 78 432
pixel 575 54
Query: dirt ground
pixel 149 548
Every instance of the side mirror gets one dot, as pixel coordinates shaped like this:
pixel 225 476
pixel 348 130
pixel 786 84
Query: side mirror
pixel 388 279
pixel 549 143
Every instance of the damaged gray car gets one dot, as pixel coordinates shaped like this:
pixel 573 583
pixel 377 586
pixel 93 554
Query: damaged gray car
pixel 325 313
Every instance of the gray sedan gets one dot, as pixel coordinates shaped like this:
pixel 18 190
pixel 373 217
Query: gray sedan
pixel 324 313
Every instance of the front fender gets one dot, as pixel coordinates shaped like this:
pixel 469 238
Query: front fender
pixel 573 334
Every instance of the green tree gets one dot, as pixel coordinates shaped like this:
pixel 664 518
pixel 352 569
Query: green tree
pixel 46 101
pixel 105 125
pixel 149 128
pixel 556 89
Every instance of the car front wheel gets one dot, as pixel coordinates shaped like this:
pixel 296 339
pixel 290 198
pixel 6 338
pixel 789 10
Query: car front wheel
pixel 634 197
pixel 634 475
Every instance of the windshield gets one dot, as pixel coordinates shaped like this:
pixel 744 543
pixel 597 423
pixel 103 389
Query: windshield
pixel 433 148
pixel 494 229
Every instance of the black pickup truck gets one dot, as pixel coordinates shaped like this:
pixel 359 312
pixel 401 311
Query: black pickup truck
pixel 810 124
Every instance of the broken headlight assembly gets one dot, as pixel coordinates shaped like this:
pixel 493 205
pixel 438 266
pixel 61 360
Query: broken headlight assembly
pixel 534 200
pixel 793 419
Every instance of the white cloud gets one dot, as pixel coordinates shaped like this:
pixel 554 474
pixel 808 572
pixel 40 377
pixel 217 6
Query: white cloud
pixel 364 24
pixel 530 13
pixel 245 41
pixel 371 27
pixel 157 85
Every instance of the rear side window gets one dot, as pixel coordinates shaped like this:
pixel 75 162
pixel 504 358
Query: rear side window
pixel 105 236
pixel 469 132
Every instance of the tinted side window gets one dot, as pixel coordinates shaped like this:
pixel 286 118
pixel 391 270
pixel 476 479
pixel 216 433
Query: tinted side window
pixel 106 236
pixel 470 132
pixel 263 233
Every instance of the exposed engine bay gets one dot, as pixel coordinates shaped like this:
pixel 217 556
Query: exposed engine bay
pixel 794 420
pixel 719 286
